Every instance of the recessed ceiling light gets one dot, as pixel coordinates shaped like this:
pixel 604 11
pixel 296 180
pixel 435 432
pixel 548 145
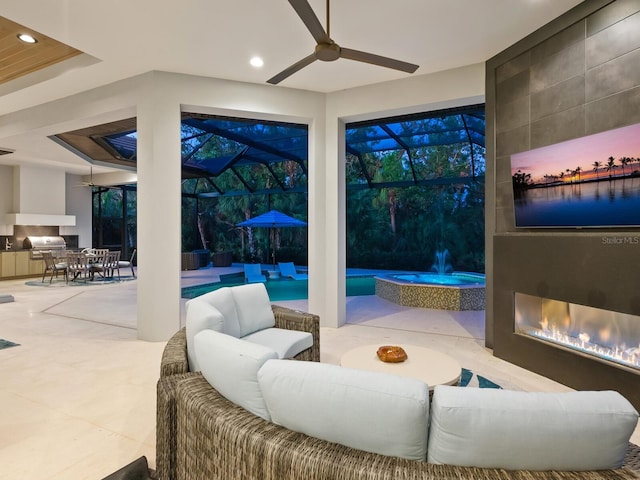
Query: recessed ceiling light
pixel 256 62
pixel 26 38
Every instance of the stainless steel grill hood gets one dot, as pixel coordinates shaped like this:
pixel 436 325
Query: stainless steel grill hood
pixel 39 244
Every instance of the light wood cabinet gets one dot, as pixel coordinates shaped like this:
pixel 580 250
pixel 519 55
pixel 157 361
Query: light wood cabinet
pixel 22 263
pixel 18 264
pixel 36 267
pixel 8 268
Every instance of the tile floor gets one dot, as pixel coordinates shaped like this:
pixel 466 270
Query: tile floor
pixel 77 396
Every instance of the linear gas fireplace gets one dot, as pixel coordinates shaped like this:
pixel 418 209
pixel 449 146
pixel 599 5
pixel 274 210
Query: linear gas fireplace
pixel 603 334
pixel 567 306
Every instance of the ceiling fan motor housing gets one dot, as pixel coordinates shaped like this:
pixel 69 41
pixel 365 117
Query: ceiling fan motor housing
pixel 327 52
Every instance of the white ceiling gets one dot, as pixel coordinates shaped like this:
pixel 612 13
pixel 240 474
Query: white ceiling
pixel 217 38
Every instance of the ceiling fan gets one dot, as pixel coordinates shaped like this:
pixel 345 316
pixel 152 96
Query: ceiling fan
pixel 327 50
pixel 90 183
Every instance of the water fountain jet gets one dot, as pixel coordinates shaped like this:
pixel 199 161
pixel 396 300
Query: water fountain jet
pixel 442 264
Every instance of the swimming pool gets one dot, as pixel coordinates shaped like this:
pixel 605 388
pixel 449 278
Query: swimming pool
pixel 288 289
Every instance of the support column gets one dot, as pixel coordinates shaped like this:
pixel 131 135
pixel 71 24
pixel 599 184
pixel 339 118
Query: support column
pixel 159 214
pixel 327 226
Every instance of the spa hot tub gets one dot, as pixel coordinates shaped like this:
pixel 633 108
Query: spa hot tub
pixel 451 291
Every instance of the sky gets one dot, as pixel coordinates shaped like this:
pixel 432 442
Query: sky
pixel 582 152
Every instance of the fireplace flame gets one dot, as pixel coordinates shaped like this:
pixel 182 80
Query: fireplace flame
pixel 619 354
pixel 544 323
pixel 605 334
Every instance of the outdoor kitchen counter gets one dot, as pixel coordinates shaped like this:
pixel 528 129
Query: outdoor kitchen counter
pixel 17 263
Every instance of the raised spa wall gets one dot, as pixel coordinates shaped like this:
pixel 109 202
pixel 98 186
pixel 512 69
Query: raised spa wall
pixel 576 76
pixel 441 297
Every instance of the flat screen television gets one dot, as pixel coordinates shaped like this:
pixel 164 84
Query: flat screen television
pixel 589 182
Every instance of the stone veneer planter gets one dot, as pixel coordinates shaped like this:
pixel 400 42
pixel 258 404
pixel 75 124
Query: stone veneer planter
pixel 427 295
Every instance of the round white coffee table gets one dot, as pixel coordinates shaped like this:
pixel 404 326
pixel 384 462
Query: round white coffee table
pixel 430 366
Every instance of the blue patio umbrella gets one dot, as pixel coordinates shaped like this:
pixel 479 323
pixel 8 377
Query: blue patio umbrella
pixel 272 219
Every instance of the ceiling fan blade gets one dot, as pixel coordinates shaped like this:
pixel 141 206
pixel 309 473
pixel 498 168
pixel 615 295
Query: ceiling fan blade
pixel 309 18
pixel 287 72
pixel 359 56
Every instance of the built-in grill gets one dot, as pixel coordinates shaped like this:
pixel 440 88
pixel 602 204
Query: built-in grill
pixel 37 245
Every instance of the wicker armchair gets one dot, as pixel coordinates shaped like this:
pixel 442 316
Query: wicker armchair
pixel 174 369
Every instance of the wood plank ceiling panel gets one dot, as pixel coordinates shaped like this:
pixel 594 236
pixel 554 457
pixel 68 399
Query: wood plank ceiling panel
pixel 18 58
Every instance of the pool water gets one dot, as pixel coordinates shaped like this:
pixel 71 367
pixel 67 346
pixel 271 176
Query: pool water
pixel 288 289
pixel 435 279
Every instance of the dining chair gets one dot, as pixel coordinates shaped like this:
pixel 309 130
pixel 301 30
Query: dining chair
pixel 77 266
pixel 112 263
pixel 51 265
pixel 96 260
pixel 128 263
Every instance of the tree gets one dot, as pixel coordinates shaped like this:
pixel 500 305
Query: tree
pixel 521 179
pixel 596 167
pixel 390 168
pixel 611 166
pixel 623 161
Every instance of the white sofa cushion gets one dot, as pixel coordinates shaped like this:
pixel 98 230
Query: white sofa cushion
pixel 231 365
pixel 200 316
pixel 253 307
pixel 286 343
pixel 223 300
pixel 529 430
pixel 375 412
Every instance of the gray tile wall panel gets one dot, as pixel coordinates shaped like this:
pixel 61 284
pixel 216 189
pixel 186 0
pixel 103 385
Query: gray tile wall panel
pixel 559 97
pixel 505 219
pixel 503 173
pixel 614 111
pixel 513 67
pixel 619 74
pixel 622 37
pixel 611 14
pixel 513 141
pixel 558 42
pixel 513 114
pixel 504 194
pixel 559 67
pixel 556 128
pixel 513 88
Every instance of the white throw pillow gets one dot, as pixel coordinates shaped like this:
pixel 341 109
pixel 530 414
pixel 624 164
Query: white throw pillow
pixel 223 300
pixel 573 431
pixel 253 307
pixel 231 365
pixel 370 411
pixel 200 316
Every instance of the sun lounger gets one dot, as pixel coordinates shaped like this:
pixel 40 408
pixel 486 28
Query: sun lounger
pixel 253 273
pixel 288 269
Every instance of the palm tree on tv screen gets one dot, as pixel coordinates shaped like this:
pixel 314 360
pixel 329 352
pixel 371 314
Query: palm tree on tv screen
pixel 611 166
pixel 623 161
pixel 596 167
